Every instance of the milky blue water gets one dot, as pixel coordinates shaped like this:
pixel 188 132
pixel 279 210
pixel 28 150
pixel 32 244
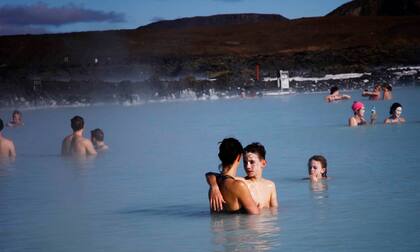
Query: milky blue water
pixel 148 193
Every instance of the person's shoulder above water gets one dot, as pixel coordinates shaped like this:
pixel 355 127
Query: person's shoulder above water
pixel 7 147
pixel 335 95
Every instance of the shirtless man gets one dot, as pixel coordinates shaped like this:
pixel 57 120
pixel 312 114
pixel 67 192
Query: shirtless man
pixel 262 190
pixel 335 95
pixel 75 144
pixel 7 148
pixel 375 94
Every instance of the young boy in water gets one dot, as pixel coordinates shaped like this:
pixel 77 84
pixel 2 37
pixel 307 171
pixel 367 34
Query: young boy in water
pixel 262 190
pixel 317 168
pixel 97 137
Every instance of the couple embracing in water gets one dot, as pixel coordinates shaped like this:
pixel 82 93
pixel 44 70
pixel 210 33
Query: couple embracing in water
pixel 232 194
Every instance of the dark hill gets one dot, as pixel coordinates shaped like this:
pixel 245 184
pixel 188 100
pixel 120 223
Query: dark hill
pixel 378 8
pixel 216 20
pixel 144 59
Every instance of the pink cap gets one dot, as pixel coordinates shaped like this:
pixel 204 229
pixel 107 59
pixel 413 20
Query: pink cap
pixel 357 106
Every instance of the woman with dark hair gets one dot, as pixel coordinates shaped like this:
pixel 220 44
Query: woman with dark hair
pixel 395 111
pixel 235 192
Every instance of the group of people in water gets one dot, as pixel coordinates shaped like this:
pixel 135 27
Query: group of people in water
pixel 232 194
pixel 75 144
pixel 358 117
pixel 228 192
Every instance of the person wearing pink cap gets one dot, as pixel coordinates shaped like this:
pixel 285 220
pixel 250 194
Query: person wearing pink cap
pixel 358 117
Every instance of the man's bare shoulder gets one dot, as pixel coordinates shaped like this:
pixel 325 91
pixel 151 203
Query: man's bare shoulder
pixel 268 182
pixel 68 138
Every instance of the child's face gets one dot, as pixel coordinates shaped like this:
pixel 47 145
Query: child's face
pixel 253 165
pixel 316 170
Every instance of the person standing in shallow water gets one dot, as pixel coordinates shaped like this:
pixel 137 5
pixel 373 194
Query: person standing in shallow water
pixel 375 94
pixel 16 120
pixel 317 168
pixel 7 147
pixel 395 111
pixel 97 137
pixel 235 192
pixel 358 118
pixel 262 190
pixel 75 144
pixel 387 92
pixel 336 96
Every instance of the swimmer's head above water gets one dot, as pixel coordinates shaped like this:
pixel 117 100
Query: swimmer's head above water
pixel 317 167
pixel 97 135
pixel 254 160
pixel 395 109
pixel 333 90
pixel 1 125
pixel 77 123
pixel 229 150
pixel 358 107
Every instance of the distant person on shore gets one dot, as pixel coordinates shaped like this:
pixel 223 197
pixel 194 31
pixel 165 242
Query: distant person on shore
pixel 335 95
pixel 375 94
pixel 7 147
pixel 235 193
pixel 16 120
pixel 262 190
pixel 395 111
pixel 358 118
pixel 387 92
pixel 97 137
pixel 317 168
pixel 75 144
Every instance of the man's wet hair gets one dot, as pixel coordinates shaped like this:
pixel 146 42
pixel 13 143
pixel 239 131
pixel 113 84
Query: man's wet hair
pixel 394 107
pixel 333 89
pixel 229 149
pixel 388 86
pixel 256 148
pixel 97 134
pixel 1 124
pixel 77 123
pixel 320 159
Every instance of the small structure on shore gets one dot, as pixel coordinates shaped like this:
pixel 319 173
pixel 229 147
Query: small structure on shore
pixel 283 80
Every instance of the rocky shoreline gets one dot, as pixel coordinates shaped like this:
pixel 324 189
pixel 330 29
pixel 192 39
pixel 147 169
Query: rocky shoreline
pixel 52 93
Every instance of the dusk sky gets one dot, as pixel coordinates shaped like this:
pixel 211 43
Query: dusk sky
pixel 57 16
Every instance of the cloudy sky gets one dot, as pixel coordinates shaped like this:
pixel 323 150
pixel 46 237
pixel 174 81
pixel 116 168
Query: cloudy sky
pixel 56 16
